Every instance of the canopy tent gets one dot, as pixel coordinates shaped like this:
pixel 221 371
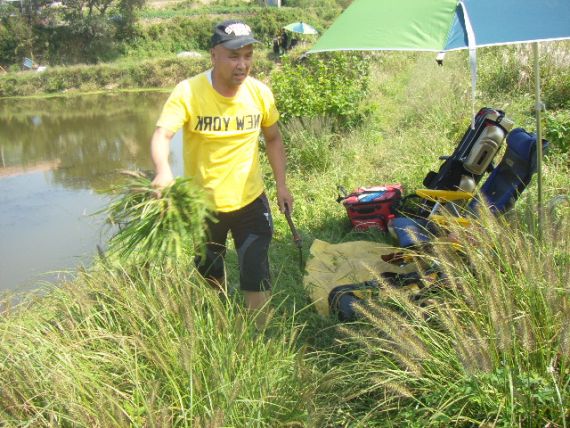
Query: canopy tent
pixel 444 25
pixel 447 25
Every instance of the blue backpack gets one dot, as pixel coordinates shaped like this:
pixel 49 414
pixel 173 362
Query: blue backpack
pixel 513 174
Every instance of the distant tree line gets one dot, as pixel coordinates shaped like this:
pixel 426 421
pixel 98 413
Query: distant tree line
pixel 66 31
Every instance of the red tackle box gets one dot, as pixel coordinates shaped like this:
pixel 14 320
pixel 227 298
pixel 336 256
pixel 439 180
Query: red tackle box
pixel 372 207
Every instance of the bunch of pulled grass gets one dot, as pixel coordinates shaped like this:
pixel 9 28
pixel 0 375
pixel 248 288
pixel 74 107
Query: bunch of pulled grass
pixel 157 227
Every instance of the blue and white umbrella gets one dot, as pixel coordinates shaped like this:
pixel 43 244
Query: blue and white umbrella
pixel 301 28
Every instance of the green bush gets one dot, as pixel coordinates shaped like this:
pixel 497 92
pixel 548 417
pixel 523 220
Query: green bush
pixel 309 3
pixel 558 130
pixel 89 42
pixel 324 85
pixel 147 74
pixel 178 34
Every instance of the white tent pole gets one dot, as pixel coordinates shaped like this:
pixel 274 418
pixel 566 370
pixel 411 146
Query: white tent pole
pixel 538 108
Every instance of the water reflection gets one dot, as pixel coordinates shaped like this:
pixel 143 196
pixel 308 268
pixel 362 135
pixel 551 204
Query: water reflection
pixel 55 157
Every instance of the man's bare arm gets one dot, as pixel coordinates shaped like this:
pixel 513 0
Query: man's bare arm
pixel 278 161
pixel 160 152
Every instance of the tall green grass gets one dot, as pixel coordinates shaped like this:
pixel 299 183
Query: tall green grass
pixel 511 69
pixel 125 348
pixel 466 369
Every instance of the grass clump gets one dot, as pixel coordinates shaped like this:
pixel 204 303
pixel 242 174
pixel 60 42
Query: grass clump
pixel 509 69
pixel 157 227
pixel 117 348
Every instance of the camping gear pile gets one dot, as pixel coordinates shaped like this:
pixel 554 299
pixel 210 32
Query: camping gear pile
pixel 450 195
pixel 442 26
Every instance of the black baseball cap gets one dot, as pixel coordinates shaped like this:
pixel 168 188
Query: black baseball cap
pixel 232 34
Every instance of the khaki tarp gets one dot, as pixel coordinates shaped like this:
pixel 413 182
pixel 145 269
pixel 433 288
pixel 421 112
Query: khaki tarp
pixel 331 265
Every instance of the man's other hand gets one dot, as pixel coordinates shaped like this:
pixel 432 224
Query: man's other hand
pixel 284 199
pixel 162 180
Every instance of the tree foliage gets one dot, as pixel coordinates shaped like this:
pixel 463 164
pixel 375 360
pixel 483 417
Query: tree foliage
pixel 16 37
pixel 70 32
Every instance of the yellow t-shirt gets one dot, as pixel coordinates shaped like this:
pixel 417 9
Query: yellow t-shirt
pixel 221 136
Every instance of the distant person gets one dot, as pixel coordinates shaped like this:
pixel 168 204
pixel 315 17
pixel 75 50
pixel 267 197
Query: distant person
pixel 222 113
pixel 284 41
pixel 276 46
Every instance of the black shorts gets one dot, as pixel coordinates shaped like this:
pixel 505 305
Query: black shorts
pixel 252 229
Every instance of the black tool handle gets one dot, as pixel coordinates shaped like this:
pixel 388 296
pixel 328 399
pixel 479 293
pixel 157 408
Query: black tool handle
pixel 296 236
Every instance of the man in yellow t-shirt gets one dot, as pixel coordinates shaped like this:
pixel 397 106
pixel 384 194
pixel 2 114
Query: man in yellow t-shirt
pixel 222 113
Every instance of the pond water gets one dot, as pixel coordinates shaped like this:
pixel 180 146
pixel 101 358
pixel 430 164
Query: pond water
pixel 57 155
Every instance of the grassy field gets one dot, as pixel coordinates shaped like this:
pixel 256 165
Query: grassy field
pixel 154 347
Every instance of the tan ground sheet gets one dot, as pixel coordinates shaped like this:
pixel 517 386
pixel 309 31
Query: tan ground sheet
pixel 331 265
